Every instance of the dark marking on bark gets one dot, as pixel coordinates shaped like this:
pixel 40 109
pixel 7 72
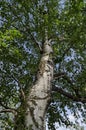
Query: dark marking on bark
pixel 40 98
pixel 32 115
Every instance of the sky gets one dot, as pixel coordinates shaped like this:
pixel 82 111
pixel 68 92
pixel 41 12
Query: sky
pixel 71 117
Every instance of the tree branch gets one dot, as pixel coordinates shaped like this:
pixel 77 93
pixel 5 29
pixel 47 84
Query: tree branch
pixel 7 109
pixel 58 75
pixel 21 89
pixel 64 76
pixel 68 95
pixel 37 43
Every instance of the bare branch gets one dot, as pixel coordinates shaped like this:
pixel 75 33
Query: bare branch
pixel 68 95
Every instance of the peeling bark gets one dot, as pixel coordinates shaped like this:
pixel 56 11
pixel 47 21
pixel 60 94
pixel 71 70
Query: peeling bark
pixel 40 94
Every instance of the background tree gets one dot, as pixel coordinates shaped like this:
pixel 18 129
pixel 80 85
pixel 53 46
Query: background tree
pixel 24 25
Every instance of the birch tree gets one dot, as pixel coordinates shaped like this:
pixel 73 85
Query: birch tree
pixel 42 63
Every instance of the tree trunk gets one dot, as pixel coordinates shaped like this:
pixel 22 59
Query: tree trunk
pixel 39 96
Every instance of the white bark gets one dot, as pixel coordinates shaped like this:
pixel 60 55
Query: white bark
pixel 40 94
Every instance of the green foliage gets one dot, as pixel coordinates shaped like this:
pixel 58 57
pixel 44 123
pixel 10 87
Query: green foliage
pixel 20 21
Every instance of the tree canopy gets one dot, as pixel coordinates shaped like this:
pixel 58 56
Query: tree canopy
pixel 22 34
